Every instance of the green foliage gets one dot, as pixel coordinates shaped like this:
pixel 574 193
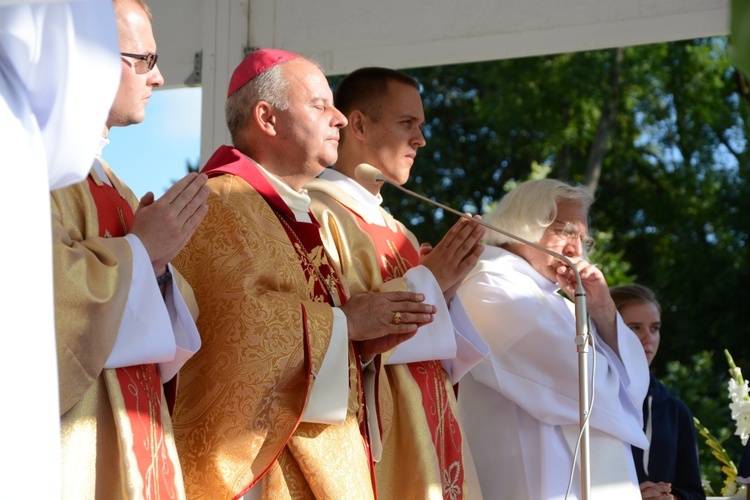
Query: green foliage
pixel 673 194
pixel 610 260
pixel 740 26
pixel 193 167
pixel 701 382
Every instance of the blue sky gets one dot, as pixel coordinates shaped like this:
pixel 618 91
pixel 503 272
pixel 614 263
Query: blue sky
pixel 152 155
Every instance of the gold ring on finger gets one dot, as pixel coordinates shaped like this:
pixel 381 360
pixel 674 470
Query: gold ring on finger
pixel 396 318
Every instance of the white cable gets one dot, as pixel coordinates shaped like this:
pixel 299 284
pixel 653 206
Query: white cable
pixel 588 413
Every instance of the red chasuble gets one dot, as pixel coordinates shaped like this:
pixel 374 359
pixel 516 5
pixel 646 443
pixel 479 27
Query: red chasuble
pixel 136 388
pixel 305 238
pixel 396 255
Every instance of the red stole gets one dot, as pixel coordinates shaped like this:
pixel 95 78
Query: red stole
pixel 140 386
pixel 396 255
pixel 305 238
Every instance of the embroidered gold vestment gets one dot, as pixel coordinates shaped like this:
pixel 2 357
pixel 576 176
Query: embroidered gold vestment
pixel 265 329
pixel 424 456
pixel 102 451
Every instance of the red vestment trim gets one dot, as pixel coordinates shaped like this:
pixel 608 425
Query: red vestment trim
pixel 140 385
pixel 396 255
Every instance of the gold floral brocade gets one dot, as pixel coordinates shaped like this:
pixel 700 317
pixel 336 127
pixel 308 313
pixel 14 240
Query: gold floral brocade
pixel 264 334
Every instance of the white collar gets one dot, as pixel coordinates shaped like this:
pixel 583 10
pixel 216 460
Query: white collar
pixel 368 203
pixel 297 201
pixel 97 164
pixel 521 265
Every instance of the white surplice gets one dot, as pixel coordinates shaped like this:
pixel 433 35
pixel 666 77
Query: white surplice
pixel 59 71
pixel 519 406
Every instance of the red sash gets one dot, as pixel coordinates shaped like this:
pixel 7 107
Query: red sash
pixel 141 433
pixel 396 255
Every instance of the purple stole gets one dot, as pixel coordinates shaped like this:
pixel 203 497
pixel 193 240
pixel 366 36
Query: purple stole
pixel 137 388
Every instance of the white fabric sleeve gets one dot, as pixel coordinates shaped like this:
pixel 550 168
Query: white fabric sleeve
pixel 534 363
pixel 329 396
pixel 435 340
pixel 370 376
pixel 470 346
pixel 631 365
pixel 146 331
pixel 186 336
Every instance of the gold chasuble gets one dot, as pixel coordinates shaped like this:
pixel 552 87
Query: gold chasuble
pixel 117 440
pixel 423 453
pixel 265 288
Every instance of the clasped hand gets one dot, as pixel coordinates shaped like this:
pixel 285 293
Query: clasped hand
pixel 597 292
pixel 369 318
pixel 164 226
pixel 455 255
pixel 599 303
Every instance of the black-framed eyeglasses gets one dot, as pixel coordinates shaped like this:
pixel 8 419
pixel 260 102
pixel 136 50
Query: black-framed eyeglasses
pixel 148 59
pixel 570 233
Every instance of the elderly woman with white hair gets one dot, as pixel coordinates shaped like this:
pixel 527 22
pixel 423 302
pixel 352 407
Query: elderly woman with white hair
pixel 519 407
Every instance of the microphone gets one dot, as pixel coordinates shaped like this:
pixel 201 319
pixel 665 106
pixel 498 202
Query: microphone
pixel 367 173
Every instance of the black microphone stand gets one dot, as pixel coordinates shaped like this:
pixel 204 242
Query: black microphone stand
pixel 368 173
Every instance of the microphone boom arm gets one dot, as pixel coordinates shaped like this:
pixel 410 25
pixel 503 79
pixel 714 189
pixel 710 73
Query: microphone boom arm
pixel 493 228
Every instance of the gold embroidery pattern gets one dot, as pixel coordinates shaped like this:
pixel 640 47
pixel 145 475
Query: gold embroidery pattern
pixel 393 264
pixel 445 432
pixel 121 218
pixel 141 388
pixel 312 264
pixel 451 486
pixel 241 396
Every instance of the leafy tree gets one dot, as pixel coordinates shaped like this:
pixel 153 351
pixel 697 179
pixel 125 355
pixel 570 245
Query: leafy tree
pixel 193 167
